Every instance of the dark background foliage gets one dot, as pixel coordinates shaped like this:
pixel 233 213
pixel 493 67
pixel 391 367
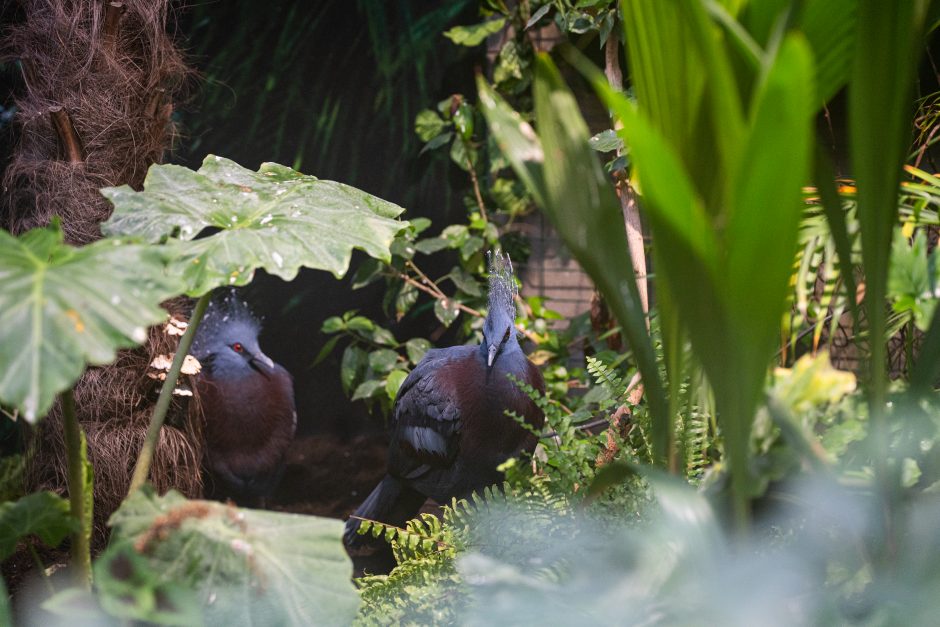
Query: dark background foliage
pixel 331 88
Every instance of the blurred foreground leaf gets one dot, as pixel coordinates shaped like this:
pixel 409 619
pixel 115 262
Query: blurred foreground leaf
pixel 247 566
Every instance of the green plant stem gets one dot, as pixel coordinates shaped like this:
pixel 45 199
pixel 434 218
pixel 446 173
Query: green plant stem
pixel 41 568
pixel 145 458
pixel 81 551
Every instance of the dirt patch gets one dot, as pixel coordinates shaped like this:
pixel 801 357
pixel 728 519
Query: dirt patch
pixel 327 476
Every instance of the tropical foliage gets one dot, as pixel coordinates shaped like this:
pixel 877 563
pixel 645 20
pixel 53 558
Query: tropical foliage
pixel 702 461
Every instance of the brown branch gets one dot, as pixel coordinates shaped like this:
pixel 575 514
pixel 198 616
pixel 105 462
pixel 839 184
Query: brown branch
pixel 476 190
pixel 433 291
pixel 68 138
pixel 431 288
pixel 113 12
pixel 628 204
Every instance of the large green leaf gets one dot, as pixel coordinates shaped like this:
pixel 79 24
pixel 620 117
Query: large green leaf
pixel 766 204
pixel 44 514
pixel 880 112
pixel 247 566
pixel 63 307
pixel 724 249
pixel 276 219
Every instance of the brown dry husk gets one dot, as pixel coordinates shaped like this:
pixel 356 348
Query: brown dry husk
pixel 114 404
pixel 118 95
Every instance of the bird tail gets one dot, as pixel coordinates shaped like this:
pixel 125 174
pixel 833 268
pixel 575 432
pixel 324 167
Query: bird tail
pixel 392 503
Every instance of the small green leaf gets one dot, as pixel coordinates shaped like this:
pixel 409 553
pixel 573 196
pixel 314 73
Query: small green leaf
pixel 606 141
pixel 419 225
pixel 475 35
pixel 352 365
pixel 326 350
pixel 416 348
pixel 382 360
pixel 465 282
pixel 333 324
pixel 360 323
pixel 431 245
pixel 393 382
pixel 456 234
pixel 406 299
pixel 44 514
pixel 463 120
pixel 511 64
pixel 470 247
pixel 542 11
pixel 510 195
pixel 463 154
pixel 368 389
pixel 446 311
pixel 428 125
pixel 402 248
pixel 437 142
pixel 368 272
pixel 384 337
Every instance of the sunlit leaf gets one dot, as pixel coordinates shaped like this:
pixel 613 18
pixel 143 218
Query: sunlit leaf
pixel 276 219
pixel 446 310
pixel 474 35
pixel 367 389
pixel 62 308
pixel 393 382
pixel 416 349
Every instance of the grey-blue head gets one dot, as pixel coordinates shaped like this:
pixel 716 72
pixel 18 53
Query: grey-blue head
pixel 499 335
pixel 226 342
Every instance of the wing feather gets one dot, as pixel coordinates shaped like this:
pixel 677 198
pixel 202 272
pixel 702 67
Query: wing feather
pixel 426 419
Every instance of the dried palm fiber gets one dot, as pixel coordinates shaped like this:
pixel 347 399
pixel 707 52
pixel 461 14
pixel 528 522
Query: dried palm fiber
pixel 109 71
pixel 114 404
pixel 99 79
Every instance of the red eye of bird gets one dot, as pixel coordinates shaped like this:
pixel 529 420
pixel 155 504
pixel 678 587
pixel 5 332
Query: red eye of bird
pixel 237 347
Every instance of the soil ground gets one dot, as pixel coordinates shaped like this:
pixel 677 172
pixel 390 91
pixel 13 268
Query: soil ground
pixel 327 476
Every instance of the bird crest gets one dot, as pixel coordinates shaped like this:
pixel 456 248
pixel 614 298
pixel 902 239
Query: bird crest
pixel 226 313
pixel 503 288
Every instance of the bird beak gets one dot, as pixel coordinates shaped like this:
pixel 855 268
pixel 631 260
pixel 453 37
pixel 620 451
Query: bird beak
pixel 262 363
pixel 491 355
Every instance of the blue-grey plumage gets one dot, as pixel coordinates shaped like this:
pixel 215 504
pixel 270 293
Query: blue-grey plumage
pixel 450 429
pixel 247 401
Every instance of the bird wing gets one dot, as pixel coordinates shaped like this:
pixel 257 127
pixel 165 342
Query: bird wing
pixel 426 419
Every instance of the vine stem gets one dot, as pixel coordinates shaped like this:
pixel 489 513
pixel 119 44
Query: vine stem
pixel 145 458
pixel 81 551
pixel 476 190
pixel 41 568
